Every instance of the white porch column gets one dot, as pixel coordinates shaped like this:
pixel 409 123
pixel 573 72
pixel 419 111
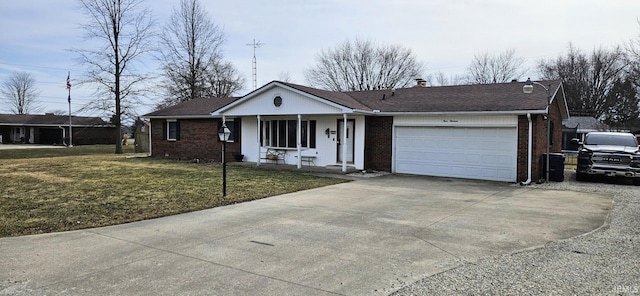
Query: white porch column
pixel 258 137
pixel 344 143
pixel 299 141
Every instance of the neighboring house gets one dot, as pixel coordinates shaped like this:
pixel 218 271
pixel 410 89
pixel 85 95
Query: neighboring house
pixel 577 127
pixel 54 129
pixel 467 131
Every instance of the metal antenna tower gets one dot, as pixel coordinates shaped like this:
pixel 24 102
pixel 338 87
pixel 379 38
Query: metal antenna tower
pixel 255 63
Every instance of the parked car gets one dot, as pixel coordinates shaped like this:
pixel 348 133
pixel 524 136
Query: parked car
pixel 610 154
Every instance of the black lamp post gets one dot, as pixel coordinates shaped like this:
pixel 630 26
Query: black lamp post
pixel 527 89
pixel 223 135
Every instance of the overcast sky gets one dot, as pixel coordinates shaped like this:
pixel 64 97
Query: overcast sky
pixel 444 34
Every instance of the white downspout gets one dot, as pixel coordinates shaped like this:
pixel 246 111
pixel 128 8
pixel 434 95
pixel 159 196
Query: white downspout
pixel 150 132
pixel 344 143
pixel 529 151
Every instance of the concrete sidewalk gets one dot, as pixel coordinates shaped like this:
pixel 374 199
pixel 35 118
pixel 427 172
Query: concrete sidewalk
pixel 28 146
pixel 367 237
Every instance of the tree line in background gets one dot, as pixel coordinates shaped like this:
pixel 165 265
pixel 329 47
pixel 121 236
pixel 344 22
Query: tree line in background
pixel 603 83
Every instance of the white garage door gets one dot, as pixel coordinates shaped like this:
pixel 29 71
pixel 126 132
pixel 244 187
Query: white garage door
pixel 461 152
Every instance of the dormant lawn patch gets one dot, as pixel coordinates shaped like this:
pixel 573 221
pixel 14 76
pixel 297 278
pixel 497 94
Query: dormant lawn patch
pixel 50 190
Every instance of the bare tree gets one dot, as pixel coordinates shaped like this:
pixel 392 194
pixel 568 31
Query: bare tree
pixel 364 65
pixel 587 80
pixel 486 68
pixel 20 95
pixel 285 77
pixel 222 80
pixel 632 54
pixel 440 79
pixel 622 111
pixel 191 56
pixel 124 28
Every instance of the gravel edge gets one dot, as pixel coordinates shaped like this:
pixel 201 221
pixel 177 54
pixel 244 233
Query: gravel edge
pixel 605 261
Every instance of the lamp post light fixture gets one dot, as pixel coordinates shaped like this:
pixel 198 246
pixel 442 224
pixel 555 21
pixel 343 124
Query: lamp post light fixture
pixel 527 89
pixel 223 135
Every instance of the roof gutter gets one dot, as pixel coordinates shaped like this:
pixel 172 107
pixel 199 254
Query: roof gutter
pixel 512 112
pixel 201 116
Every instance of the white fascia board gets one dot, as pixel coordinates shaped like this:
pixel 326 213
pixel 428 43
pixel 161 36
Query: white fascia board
pixel 564 108
pixel 514 112
pixel 183 117
pixel 245 98
pixel 55 125
pixel 364 112
pixel 271 85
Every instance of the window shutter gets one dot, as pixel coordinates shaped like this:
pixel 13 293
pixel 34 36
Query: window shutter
pixel 177 130
pixel 236 130
pixel 312 134
pixel 164 130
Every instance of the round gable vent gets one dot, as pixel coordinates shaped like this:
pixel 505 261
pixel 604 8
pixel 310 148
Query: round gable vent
pixel 277 101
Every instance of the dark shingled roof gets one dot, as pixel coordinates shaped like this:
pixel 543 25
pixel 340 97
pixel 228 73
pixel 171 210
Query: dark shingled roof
pixel 459 98
pixel 195 107
pixel 585 123
pixel 500 97
pixel 50 120
pixel 340 98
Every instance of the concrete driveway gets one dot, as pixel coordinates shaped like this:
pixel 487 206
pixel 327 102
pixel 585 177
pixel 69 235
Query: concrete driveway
pixel 367 237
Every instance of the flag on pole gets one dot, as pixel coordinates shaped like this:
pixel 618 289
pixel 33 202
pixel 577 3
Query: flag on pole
pixel 69 86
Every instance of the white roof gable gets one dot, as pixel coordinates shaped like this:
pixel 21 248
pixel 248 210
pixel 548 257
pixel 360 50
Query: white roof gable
pixel 262 102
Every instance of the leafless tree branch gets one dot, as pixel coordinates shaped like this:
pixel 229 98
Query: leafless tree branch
pixel 363 65
pixel 20 95
pixel 124 29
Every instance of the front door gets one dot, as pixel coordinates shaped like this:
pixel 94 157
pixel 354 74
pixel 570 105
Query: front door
pixel 348 156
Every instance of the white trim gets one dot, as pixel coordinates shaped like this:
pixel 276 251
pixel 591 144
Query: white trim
pixel 259 123
pixel 513 112
pixel 167 121
pixel 150 137
pixel 299 140
pixel 273 84
pixel 344 142
pixel 52 125
pixel 203 116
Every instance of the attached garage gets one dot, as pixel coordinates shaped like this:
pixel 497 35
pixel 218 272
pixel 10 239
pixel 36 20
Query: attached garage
pixel 486 153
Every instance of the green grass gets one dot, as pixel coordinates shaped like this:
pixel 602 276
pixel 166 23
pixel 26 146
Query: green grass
pixel 50 190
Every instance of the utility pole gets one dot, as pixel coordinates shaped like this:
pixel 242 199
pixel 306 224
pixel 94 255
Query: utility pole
pixel 255 63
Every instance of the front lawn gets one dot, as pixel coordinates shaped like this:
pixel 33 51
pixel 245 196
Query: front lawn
pixel 50 190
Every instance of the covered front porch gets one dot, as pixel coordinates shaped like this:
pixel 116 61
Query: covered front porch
pixel 304 140
pixel 282 123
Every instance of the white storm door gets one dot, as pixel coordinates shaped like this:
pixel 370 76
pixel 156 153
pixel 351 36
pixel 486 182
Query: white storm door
pixel 349 141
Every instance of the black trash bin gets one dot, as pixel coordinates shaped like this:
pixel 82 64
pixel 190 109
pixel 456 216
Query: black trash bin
pixel 556 167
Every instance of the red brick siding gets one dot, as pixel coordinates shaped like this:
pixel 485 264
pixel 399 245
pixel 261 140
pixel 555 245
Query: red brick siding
pixel 378 143
pixel 94 135
pixel 198 139
pixel 539 142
